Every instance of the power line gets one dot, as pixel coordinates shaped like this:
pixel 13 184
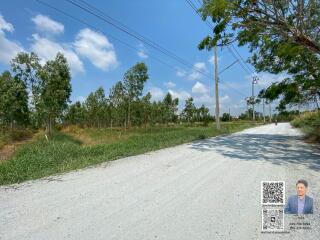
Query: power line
pixel 117 39
pixel 97 30
pixel 120 26
pixel 228 67
pixel 232 50
pixel 194 7
pixel 242 62
pixel 211 27
pixel 92 10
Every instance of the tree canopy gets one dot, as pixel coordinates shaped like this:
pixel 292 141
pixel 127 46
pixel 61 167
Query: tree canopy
pixel 282 36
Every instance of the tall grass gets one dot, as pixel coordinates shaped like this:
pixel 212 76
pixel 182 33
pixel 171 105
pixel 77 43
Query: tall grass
pixel 10 136
pixel 64 151
pixel 309 123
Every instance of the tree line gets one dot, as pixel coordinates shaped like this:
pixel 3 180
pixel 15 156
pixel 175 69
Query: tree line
pixel 37 95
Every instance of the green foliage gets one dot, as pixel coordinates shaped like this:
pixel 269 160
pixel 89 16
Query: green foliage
pixel 48 86
pixel 54 90
pixel 14 109
pixel 64 152
pixel 226 117
pixel 189 110
pixel 309 122
pixel 170 108
pixel 283 36
pixel 9 137
pixel 75 114
pixel 118 105
pixel 26 67
pixel 133 82
pixel 286 116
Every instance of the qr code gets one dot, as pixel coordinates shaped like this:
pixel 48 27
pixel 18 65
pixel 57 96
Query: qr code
pixel 272 192
pixel 272 220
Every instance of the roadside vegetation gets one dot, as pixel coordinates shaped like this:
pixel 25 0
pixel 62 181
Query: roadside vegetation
pixel 74 148
pixel 15 136
pixel 309 122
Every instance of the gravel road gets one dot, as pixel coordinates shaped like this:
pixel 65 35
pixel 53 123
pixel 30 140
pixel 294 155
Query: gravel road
pixel 208 189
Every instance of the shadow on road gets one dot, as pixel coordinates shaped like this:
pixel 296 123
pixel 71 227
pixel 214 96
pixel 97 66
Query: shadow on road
pixel 278 149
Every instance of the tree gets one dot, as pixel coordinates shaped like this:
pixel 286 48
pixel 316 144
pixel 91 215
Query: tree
pixel 204 115
pixel 226 117
pixel 13 101
pixel 117 99
pixel 258 22
pixel 283 36
pixel 146 108
pixel 97 109
pixel 189 110
pixel 54 90
pixel 75 114
pixel 157 112
pixel 170 107
pixel 134 80
pixel 26 67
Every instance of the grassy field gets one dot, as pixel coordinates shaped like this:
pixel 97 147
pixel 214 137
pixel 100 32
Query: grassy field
pixel 75 148
pixel 14 136
pixel 309 123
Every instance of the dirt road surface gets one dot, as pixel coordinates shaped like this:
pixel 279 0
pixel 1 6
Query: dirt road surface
pixel 208 189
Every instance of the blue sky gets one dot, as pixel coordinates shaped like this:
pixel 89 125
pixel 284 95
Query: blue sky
pixel 98 59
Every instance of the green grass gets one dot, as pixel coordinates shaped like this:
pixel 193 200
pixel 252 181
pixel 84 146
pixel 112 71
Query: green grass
pixel 309 123
pixel 65 152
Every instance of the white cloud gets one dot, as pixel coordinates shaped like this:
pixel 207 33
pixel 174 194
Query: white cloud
pixel 5 26
pixel 156 93
pixel 47 50
pixel 209 100
pixel 200 88
pixel 182 95
pixel 45 24
pixel 194 75
pixel 8 48
pixel 80 99
pixel 170 84
pixel 211 59
pixel 97 48
pixel 180 72
pixel 224 99
pixel 266 79
pixel 205 99
pixel 196 71
pixel 142 53
pixel 200 66
pixel 233 85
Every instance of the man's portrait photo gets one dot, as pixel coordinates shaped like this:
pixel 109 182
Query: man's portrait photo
pixel 300 203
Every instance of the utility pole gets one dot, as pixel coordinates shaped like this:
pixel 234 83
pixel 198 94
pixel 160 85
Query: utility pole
pixel 229 115
pixel 264 117
pixel 254 81
pixel 216 85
